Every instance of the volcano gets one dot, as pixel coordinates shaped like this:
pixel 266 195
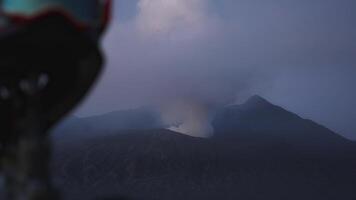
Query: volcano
pixel 259 151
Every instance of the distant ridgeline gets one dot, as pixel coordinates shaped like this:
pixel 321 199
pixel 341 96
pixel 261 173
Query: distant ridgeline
pixel 255 117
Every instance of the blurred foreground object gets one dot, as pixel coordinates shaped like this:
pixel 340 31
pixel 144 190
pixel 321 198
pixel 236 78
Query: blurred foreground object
pixel 49 59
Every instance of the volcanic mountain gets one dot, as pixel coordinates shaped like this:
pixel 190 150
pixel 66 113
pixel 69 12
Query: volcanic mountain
pixel 259 151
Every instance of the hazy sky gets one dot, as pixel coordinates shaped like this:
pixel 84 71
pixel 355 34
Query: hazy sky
pixel 299 54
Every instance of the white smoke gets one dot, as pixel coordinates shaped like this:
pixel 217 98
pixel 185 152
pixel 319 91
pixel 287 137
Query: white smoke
pixel 170 55
pixel 172 18
pixel 188 117
pixel 265 48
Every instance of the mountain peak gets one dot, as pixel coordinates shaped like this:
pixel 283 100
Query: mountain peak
pixel 257 100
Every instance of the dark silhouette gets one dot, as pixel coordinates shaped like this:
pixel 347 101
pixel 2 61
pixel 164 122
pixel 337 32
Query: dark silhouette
pixel 49 58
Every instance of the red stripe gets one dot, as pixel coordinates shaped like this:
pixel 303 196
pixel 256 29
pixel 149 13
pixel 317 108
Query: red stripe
pixel 107 12
pixel 81 25
pixel 24 19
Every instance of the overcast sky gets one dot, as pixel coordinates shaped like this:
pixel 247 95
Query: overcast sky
pixel 299 54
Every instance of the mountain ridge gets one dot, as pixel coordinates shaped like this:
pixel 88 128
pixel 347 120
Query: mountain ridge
pixel 149 118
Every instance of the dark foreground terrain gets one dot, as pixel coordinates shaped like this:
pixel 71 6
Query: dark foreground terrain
pixel 260 151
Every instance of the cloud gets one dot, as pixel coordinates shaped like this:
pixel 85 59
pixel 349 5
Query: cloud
pixel 295 53
pixel 163 56
pixel 172 17
pixel 193 57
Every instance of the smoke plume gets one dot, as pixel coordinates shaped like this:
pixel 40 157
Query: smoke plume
pixel 172 50
pixel 187 117
pixel 211 53
pixel 172 17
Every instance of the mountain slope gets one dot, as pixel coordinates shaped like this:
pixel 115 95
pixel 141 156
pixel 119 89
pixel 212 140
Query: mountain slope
pixel 260 151
pixel 134 119
pixel 159 164
pixel 259 118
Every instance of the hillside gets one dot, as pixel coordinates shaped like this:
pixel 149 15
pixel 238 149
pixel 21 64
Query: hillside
pixel 260 151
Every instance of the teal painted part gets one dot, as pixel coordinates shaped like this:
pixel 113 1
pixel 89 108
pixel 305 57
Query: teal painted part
pixel 83 10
